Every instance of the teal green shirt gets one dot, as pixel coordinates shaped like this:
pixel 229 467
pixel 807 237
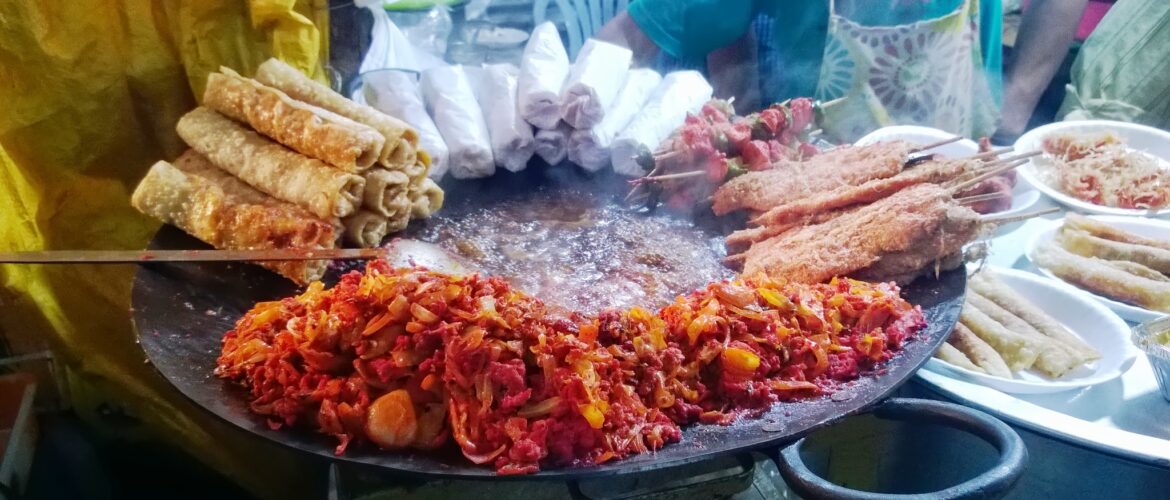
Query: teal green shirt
pixel 792 38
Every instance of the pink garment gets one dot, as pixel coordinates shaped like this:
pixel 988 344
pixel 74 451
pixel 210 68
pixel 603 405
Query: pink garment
pixel 1093 14
pixel 1094 11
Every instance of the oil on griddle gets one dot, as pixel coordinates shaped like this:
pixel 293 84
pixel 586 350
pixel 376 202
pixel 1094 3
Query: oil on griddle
pixel 577 247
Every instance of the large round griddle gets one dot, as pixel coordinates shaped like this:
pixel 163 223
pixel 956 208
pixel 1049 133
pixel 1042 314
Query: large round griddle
pixel 181 311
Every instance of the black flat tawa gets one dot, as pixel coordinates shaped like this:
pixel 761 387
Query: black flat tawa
pixel 181 311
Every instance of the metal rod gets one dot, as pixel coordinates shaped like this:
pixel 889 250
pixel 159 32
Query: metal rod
pixel 141 256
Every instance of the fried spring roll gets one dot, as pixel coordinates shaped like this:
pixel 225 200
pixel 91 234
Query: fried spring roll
pixel 979 352
pixel 365 228
pixel 426 200
pixel 226 214
pixel 987 285
pixel 954 356
pixel 1086 245
pixel 1099 277
pixel 1018 351
pixel 386 192
pixel 310 130
pixel 1103 230
pixel 269 167
pixel 1138 269
pixel 1054 358
pixel 401 140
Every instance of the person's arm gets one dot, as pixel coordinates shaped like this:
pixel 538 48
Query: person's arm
pixel 685 29
pixel 1047 30
pixel 623 31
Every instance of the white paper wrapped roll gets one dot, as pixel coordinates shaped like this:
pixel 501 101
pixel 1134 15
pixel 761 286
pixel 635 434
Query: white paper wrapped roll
pixel 451 102
pixel 511 136
pixel 594 83
pixel 680 92
pixel 590 148
pixel 543 69
pixel 552 145
pixel 397 94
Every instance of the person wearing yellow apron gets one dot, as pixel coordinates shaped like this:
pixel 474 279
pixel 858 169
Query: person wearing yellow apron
pixel 90 93
pixel 934 63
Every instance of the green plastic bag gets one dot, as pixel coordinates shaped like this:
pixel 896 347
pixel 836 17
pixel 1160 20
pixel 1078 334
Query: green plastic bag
pixel 1121 71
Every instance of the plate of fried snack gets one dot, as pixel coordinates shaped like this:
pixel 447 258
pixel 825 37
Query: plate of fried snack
pixel 1009 338
pixel 1123 261
pixel 1100 166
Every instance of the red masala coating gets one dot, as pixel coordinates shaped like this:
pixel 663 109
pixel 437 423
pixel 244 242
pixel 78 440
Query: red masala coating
pixel 518 387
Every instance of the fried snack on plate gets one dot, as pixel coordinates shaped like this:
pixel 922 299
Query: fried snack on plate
pixel 1100 229
pixel 979 352
pixel 270 167
pixel 1018 351
pixel 1138 270
pixel 227 214
pixel 1054 358
pixel 1097 276
pixel 954 356
pixel 1087 245
pixel 401 140
pixel 310 130
pixel 987 285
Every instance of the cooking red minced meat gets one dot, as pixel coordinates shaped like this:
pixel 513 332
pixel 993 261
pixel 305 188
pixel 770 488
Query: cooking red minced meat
pixel 410 358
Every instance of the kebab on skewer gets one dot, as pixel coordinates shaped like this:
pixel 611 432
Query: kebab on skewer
pixel 912 232
pixel 959 175
pixel 716 145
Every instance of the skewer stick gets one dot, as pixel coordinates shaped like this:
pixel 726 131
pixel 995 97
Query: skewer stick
pixel 735 260
pixel 665 156
pixel 982 197
pixel 993 153
pixel 1007 219
pixel 1021 156
pixel 937 144
pixel 667 177
pixel 638 187
pixel 985 175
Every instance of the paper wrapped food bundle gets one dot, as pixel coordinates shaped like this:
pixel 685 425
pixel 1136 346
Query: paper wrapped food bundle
pixel 543 69
pixel 397 93
pixel 680 92
pixel 552 145
pixel 593 83
pixel 511 136
pixel 451 102
pixel 590 148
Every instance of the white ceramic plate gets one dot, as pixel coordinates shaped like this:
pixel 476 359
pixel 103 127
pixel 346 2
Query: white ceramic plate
pixel 1023 195
pixel 1139 137
pixel 1092 322
pixel 1150 228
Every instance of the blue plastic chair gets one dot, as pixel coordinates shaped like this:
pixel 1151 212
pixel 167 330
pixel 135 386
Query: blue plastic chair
pixel 583 18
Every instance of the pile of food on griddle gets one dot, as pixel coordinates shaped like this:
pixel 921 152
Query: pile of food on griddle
pixel 416 358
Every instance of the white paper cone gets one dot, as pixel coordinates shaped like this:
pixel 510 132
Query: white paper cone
pixel 543 69
pixel 397 94
pixel 511 136
pixel 552 144
pixel 591 148
pixel 451 102
pixel 680 92
pixel 594 83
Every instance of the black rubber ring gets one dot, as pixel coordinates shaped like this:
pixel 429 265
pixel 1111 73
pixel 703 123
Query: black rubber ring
pixel 1013 456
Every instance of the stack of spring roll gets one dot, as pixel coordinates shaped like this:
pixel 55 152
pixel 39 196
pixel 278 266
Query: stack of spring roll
pixel 282 161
